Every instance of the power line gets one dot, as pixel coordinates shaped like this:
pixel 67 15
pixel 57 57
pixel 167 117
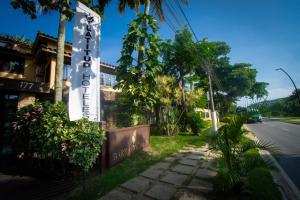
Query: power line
pixel 210 69
pixel 185 17
pixel 167 20
pixel 170 24
pixel 172 11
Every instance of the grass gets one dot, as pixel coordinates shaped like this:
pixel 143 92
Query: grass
pixel 262 186
pixel 292 120
pixel 96 184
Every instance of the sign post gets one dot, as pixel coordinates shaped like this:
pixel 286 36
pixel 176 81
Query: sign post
pixel 84 92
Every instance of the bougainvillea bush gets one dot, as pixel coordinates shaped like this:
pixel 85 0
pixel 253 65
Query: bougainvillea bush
pixel 44 132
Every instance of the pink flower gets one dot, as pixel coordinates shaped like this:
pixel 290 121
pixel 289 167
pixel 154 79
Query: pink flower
pixel 64 146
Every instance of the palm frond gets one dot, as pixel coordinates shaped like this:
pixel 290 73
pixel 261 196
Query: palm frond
pixel 229 178
pixel 103 4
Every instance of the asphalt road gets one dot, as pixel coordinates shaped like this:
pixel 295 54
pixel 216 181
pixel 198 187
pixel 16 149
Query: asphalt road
pixel 287 137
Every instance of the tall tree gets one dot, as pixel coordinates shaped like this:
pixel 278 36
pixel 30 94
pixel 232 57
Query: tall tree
pixel 135 4
pixel 179 58
pixel 137 79
pixel 30 7
pixel 230 81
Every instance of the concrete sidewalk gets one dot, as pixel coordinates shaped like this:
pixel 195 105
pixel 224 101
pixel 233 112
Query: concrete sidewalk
pixel 184 175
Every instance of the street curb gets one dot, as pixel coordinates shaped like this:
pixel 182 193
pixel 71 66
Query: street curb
pixel 287 188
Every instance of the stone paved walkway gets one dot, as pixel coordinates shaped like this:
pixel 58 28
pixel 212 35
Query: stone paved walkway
pixel 183 176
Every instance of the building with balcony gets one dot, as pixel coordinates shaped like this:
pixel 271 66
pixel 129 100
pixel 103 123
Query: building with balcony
pixel 27 73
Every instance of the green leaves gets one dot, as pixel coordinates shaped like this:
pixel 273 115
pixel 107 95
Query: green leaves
pixel 29 7
pixel 136 76
pixel 53 137
pixel 238 154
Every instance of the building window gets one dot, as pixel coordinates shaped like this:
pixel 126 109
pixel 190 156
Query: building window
pixel 6 45
pixel 107 79
pixel 66 72
pixel 207 115
pixel 12 64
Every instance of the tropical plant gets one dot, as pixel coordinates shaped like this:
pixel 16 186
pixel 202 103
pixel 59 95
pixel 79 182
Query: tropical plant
pixel 196 99
pixel 235 161
pixel 49 135
pixel 18 38
pixel 136 78
pixel 196 122
pixel 179 58
pixel 170 120
pixel 136 4
pixel 169 95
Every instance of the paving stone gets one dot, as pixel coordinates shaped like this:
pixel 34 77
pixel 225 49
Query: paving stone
pixel 161 165
pixel 183 169
pixel 195 157
pixel 197 151
pixel 140 197
pixel 184 151
pixel 190 162
pixel 178 155
pixel 203 186
pixel 161 191
pixel 187 195
pixel 138 184
pixel 213 155
pixel 205 173
pixel 208 164
pixel 170 159
pixel 174 178
pixel 116 195
pixel 152 173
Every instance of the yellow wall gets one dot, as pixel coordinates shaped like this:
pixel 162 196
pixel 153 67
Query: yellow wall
pixel 29 72
pixel 52 73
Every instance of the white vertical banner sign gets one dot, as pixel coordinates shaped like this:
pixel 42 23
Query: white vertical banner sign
pixel 84 92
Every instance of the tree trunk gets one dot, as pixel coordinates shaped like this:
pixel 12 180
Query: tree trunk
pixel 183 106
pixel 60 57
pixel 141 52
pixel 147 7
pixel 157 115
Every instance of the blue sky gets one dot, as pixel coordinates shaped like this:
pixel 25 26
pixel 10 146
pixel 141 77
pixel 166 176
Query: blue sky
pixel 265 33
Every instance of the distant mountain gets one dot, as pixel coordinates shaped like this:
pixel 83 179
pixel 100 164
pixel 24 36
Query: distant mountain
pixel 268 102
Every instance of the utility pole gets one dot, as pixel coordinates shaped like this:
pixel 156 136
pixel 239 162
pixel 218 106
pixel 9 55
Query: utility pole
pixel 211 100
pixel 297 93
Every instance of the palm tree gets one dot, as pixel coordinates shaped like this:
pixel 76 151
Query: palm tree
pixel 236 160
pixel 135 4
pixel 63 7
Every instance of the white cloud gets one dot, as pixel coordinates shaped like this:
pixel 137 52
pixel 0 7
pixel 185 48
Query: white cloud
pixel 276 93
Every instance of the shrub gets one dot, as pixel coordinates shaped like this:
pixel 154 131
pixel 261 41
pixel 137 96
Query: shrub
pixel 138 119
pixel 196 122
pixel 238 154
pixel 52 136
pixel 126 114
pixel 206 123
pixel 261 185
